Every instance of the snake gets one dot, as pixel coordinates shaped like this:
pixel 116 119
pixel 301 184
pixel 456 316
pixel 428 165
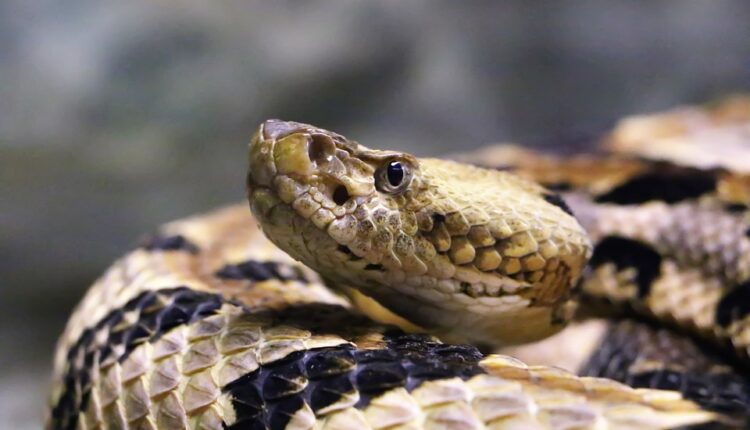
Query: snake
pixel 373 289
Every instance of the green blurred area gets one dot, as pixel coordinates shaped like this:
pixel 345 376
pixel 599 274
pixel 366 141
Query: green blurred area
pixel 116 117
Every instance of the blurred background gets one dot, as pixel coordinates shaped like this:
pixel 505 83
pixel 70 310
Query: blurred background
pixel 118 116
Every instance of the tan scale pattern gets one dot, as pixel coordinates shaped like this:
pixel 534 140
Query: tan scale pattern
pixel 229 235
pixel 514 396
pixel 175 382
pixel 707 252
pixel 703 136
pixel 706 248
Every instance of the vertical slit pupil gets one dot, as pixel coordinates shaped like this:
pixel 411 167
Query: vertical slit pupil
pixel 395 173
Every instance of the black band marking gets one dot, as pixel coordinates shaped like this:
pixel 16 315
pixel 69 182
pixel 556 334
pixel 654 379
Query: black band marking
pixel 735 305
pixel 626 253
pixel 626 344
pixel 559 186
pixel 721 392
pixel 158 312
pixel 666 182
pixel 169 243
pixel 736 208
pixel 558 201
pixel 258 271
pixel 268 396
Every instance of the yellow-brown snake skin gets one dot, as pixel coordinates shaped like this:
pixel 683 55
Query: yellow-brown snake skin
pixel 334 323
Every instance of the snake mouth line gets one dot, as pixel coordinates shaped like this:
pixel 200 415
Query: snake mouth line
pixel 437 288
pixel 442 288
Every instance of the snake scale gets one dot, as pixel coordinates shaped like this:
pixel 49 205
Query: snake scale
pixel 415 269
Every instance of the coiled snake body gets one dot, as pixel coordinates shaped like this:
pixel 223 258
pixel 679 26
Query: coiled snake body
pixel 209 325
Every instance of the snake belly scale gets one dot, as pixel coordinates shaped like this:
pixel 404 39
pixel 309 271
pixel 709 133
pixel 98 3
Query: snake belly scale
pixel 209 324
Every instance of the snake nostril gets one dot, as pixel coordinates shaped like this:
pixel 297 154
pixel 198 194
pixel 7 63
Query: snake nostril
pixel 340 195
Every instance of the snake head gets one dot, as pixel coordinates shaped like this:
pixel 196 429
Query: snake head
pixel 454 248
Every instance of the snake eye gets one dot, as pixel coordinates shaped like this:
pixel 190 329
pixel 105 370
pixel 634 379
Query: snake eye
pixel 395 173
pixel 394 177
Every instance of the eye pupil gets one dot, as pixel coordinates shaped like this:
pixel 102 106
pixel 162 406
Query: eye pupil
pixel 395 173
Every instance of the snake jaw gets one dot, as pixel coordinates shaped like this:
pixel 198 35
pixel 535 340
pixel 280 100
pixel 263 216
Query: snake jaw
pixel 482 245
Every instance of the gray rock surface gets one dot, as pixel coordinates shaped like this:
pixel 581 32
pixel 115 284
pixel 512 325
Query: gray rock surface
pixel 118 116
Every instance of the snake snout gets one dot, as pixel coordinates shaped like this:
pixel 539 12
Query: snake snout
pixel 308 169
pixel 279 148
pixel 277 129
